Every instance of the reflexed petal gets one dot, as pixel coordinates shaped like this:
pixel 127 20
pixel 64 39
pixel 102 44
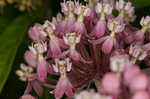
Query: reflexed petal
pixel 42 69
pixel 37 87
pixel 30 58
pixel 55 48
pixel 107 45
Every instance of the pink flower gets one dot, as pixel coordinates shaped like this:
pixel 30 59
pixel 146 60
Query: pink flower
pixel 111 83
pixel 139 83
pixel 99 29
pixel 37 33
pixel 34 83
pixel 139 35
pixel 42 68
pixel 137 52
pixel 30 58
pixel 91 95
pixel 55 47
pixel 25 72
pixel 108 45
pixel 118 63
pixel 130 73
pixel 63 86
pixel 141 95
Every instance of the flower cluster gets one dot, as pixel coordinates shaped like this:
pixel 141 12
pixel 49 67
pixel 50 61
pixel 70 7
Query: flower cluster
pixel 22 5
pixel 87 44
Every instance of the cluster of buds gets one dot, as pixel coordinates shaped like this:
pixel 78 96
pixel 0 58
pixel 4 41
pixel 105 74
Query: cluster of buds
pixel 87 44
pixel 4 2
pixel 22 5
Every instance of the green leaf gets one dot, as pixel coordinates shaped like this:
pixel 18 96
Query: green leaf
pixel 140 3
pixel 10 40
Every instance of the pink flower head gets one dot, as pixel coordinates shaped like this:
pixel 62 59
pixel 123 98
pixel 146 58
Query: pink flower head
pixel 91 95
pixel 36 33
pixel 25 72
pixel 27 96
pixel 118 63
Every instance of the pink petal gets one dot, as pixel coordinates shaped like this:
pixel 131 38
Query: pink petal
pixel 37 87
pixel 28 89
pixel 139 35
pixel 79 27
pixel 69 92
pixel 60 88
pixel 74 55
pixel 130 73
pixel 141 95
pixel 146 47
pixel 107 45
pixel 55 48
pixel 48 54
pixel 62 44
pixel 27 96
pixel 99 29
pixel 50 69
pixel 111 83
pixel 63 86
pixel 30 58
pixel 34 33
pixel 42 69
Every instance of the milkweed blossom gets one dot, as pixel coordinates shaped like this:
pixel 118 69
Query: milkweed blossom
pixel 88 45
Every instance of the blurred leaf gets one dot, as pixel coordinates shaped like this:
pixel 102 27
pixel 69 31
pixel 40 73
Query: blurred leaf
pixel 3 23
pixel 9 42
pixel 7 16
pixel 140 3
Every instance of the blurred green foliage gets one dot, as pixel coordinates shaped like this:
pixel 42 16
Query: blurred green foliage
pixel 14 40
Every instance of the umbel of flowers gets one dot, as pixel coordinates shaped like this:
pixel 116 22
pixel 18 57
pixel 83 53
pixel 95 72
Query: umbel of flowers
pixel 87 44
